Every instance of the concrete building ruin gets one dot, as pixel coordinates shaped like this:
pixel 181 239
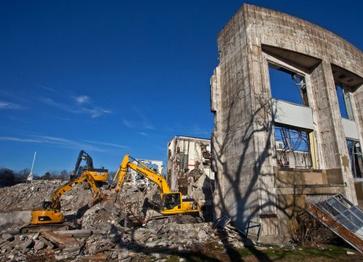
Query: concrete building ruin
pixel 189 168
pixel 287 98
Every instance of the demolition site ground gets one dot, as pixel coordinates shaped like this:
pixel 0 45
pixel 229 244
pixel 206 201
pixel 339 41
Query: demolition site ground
pixel 120 228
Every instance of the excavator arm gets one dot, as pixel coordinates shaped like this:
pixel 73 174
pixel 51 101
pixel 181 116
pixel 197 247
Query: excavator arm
pixel 51 212
pixel 82 156
pixel 100 175
pixel 142 170
pixel 60 191
pixel 172 202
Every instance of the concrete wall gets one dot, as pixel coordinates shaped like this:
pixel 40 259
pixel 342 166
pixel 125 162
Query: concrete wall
pixel 244 115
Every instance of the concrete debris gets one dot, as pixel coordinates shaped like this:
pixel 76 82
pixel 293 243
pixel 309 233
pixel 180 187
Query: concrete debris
pixel 27 244
pixel 49 244
pixel 7 237
pixel 8 219
pixel 26 195
pixel 120 228
pixel 39 245
pixel 59 240
pixel 75 233
pixel 31 196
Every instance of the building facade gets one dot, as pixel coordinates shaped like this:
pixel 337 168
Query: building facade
pixel 287 98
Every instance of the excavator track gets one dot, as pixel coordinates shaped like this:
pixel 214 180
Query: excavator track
pixel 45 227
pixel 179 219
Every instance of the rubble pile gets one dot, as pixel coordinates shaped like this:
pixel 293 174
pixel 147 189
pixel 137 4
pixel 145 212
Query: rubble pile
pixel 27 196
pixel 115 243
pixel 119 228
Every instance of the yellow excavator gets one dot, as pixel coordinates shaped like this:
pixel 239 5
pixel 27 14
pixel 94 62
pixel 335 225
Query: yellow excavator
pixel 172 202
pixel 51 211
pixel 99 175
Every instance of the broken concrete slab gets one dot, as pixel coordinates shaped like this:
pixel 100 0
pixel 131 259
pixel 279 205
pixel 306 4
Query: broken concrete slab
pixel 27 244
pixel 7 237
pixel 59 240
pixel 39 245
pixel 77 233
pixel 48 243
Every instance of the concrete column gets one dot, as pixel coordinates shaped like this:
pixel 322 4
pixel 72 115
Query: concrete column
pixel 330 135
pixel 324 122
pixel 358 111
pixel 263 137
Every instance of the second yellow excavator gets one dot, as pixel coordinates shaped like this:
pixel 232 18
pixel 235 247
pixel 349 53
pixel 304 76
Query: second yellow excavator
pixel 51 211
pixel 172 202
pixel 99 175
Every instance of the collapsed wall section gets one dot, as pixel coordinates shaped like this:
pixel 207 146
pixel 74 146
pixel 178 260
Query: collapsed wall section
pixel 189 169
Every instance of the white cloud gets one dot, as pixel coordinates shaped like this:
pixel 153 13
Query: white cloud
pixel 47 88
pixel 64 107
pixel 68 143
pixel 18 139
pixel 148 125
pixel 141 121
pixel 127 123
pixel 58 141
pixel 143 134
pixel 78 107
pixel 82 99
pixel 107 144
pixel 64 142
pixel 9 106
pixel 96 111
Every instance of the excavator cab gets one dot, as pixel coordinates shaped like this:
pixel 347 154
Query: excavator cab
pixel 47 204
pixel 46 216
pixel 99 175
pixel 173 203
pixel 171 200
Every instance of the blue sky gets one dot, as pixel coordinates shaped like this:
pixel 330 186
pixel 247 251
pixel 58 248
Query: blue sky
pixel 112 77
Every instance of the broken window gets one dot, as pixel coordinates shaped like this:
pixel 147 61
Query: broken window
pixel 287 85
pixel 356 158
pixel 344 102
pixel 292 147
